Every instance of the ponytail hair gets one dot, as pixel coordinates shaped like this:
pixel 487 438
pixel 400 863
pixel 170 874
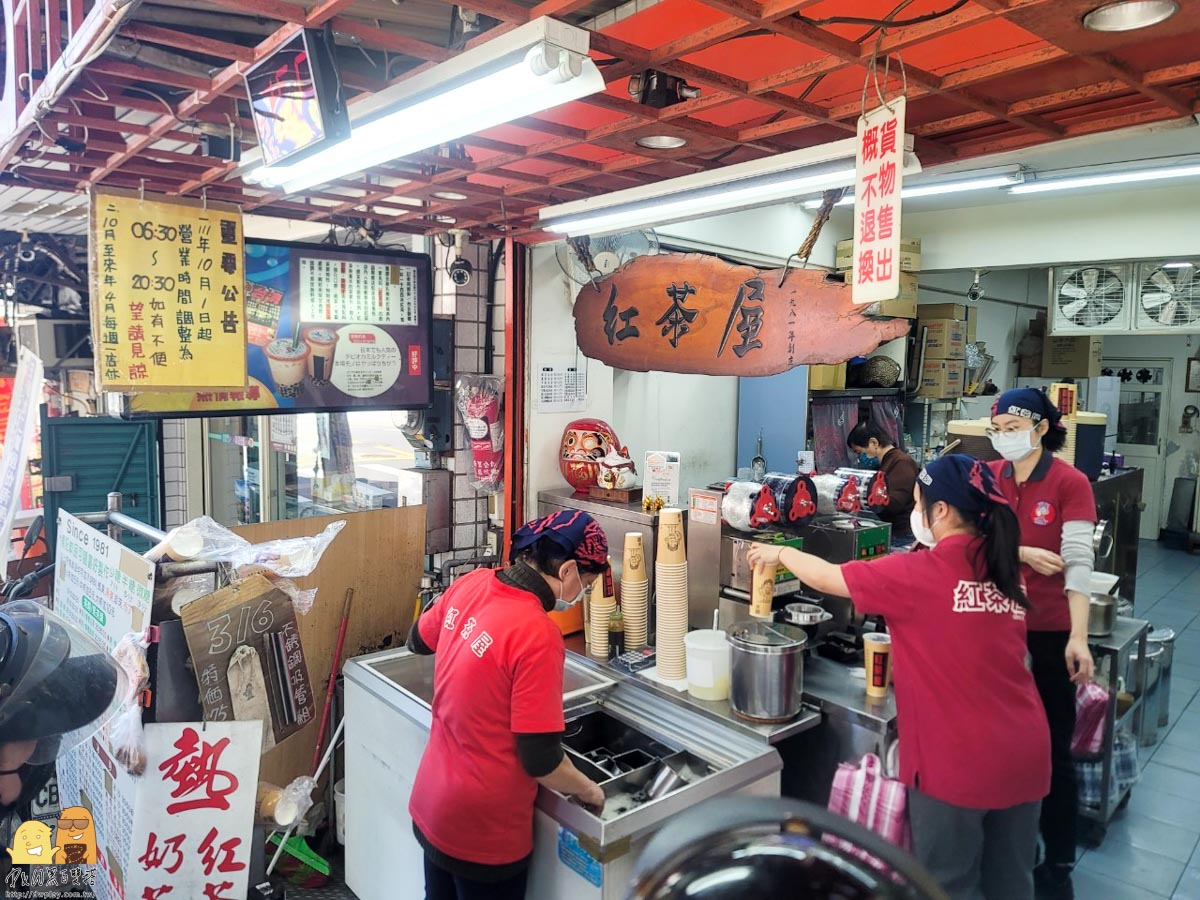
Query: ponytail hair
pixel 999 554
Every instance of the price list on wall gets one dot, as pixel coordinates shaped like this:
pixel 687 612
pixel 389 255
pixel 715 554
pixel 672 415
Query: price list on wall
pixel 333 290
pixel 168 292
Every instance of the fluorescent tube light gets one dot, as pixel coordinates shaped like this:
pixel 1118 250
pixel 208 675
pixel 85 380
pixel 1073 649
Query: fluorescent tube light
pixel 759 182
pixel 1129 176
pixel 533 68
pixel 938 188
pixel 1178 265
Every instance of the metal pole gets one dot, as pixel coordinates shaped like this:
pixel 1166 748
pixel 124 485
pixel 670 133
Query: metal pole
pixel 114 506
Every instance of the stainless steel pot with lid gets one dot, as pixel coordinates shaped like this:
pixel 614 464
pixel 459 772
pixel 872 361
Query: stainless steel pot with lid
pixel 766 670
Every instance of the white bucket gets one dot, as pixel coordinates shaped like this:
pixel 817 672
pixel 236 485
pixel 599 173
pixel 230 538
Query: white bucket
pixel 707 664
pixel 339 810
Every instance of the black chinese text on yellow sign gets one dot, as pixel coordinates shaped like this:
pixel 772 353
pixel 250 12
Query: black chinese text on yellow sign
pixel 168 292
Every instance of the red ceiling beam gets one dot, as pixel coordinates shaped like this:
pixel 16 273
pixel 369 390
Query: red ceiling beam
pixel 391 41
pixel 169 37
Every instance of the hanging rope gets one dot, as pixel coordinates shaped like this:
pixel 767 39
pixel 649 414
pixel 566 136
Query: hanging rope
pixel 828 202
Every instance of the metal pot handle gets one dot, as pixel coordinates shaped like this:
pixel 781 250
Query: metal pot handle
pixel 1103 541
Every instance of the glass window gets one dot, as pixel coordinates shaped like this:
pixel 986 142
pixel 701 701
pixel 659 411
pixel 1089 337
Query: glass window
pixel 317 464
pixel 235 470
pixel 1137 422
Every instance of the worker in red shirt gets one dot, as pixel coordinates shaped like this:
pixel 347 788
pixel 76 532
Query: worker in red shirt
pixel 498 709
pixel 1057 511
pixel 975 748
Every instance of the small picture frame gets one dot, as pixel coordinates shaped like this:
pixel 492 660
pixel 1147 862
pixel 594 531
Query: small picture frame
pixel 1192 385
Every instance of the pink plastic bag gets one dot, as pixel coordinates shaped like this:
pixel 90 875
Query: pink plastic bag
pixel 864 795
pixel 1091 703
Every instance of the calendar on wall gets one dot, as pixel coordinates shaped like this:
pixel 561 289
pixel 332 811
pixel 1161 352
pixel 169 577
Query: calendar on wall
pixel 561 388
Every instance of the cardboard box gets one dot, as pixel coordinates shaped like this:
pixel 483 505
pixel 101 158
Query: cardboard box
pixel 1072 357
pixel 903 306
pixel 1029 367
pixel 942 378
pixel 972 324
pixel 910 254
pixel 947 338
pixel 956 311
pixel 827 378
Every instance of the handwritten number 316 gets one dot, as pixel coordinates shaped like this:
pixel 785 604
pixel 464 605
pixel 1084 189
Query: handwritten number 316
pixel 257 621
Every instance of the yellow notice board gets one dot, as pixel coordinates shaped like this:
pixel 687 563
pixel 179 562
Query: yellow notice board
pixel 168 292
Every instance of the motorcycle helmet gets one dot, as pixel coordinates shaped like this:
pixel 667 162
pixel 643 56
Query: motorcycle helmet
pixel 58 686
pixel 751 847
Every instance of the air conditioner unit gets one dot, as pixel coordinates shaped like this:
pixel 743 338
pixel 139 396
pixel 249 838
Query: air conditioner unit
pixel 1091 299
pixel 59 343
pixel 1168 296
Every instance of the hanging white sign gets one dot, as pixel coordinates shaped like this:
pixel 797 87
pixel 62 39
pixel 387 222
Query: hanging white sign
pixel 879 168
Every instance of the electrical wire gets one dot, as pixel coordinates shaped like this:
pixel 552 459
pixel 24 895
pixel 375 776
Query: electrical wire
pixel 887 22
pixel 137 90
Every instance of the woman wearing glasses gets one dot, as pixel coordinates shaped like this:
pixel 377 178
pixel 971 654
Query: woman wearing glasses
pixel 1057 513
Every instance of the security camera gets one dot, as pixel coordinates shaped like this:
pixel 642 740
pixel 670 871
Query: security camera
pixel 975 291
pixel 461 272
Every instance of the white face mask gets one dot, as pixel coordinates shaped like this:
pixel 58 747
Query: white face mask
pixel 920 530
pixel 561 605
pixel 1014 445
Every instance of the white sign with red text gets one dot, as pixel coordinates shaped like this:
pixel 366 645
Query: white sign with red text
pixel 879 167
pixel 194 821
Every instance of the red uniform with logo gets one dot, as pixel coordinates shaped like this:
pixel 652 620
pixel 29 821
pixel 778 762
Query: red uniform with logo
pixel 972 729
pixel 1056 492
pixel 499 673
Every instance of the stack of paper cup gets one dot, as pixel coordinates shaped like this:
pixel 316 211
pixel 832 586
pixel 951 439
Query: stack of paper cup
pixel 603 605
pixel 635 591
pixel 671 596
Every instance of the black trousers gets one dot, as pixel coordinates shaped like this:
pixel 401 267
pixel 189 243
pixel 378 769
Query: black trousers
pixel 443 885
pixel 1048 649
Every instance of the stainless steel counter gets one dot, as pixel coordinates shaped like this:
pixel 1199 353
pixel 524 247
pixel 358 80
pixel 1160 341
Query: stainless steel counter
pixel 718 711
pixel 833 688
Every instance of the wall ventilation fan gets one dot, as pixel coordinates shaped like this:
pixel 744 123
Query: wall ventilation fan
pixel 1168 296
pixel 586 260
pixel 1091 299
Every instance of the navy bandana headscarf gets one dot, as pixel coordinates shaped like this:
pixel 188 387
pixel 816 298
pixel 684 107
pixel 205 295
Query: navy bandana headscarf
pixel 963 482
pixel 577 533
pixel 1028 403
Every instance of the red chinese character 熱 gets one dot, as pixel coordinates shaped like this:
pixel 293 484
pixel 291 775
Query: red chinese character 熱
pixel 194 769
pixel 226 851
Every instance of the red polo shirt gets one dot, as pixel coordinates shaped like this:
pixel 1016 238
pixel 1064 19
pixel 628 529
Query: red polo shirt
pixel 499 672
pixel 973 732
pixel 1056 492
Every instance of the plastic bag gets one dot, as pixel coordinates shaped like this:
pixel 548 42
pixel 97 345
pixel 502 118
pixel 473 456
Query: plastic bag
pixel 1091 705
pixel 478 398
pixel 125 731
pixel 288 558
pixel 302 600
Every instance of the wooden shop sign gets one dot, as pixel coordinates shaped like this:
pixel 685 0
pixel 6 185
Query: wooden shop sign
pixel 697 314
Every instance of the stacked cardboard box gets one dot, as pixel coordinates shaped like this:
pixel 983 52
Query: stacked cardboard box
pixel 946 337
pixel 904 304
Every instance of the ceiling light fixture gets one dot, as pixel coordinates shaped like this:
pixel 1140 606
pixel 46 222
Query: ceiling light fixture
pixel 1127 176
pixel 958 183
pixel 1129 15
pixel 772 179
pixel 535 67
pixel 448 195
pixel 1178 265
pixel 661 142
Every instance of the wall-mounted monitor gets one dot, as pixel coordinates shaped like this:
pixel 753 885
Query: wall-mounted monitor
pixel 297 100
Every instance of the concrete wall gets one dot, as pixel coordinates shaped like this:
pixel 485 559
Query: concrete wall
pixel 1125 223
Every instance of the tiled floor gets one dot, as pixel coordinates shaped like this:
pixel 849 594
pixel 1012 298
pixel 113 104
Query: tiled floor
pixel 1152 848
